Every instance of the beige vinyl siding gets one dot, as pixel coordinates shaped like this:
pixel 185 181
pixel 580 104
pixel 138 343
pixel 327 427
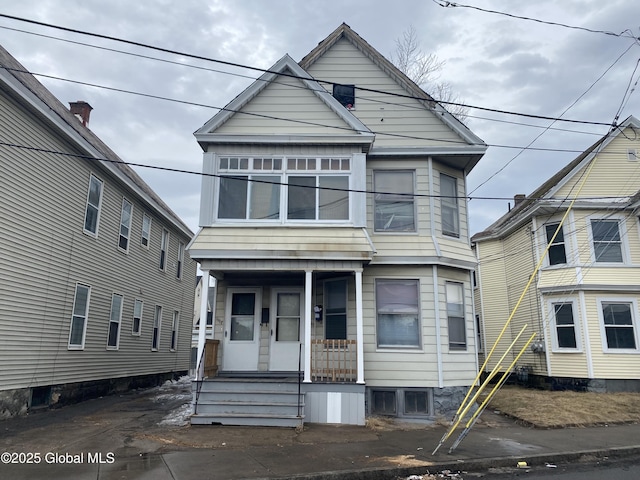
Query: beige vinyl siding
pixel 459 367
pixel 572 364
pixel 557 276
pixel 417 367
pixel 612 365
pixel 273 150
pixel 285 106
pixel 613 174
pixel 381 112
pixel 44 197
pixel 505 267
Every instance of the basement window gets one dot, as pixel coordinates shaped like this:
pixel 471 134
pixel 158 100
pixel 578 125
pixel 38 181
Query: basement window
pixel 346 95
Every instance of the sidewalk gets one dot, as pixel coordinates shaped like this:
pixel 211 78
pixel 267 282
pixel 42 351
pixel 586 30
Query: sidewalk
pixel 123 438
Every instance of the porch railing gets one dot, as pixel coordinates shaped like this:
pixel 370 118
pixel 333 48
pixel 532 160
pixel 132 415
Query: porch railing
pixel 333 361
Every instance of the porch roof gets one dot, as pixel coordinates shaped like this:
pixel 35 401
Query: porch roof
pixel 282 243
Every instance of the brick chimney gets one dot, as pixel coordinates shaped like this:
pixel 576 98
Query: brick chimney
pixel 518 198
pixel 81 110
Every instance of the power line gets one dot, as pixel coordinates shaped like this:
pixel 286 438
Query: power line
pixel 284 74
pixel 263 173
pixel 625 33
pixel 305 122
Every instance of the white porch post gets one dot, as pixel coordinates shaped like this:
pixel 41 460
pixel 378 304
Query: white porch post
pixel 359 330
pixel 307 325
pixel 202 331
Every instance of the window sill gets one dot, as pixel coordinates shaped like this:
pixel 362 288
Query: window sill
pixel 567 350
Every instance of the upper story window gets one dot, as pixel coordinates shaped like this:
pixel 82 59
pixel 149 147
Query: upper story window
pixel 607 243
pixel 125 224
pixel 164 247
pixel 146 231
pixel 346 95
pixel 394 204
pixel 557 250
pixel 94 201
pixel 284 189
pixel 449 205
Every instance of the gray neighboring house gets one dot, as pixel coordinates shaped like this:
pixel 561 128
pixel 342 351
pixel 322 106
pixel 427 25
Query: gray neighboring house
pixel 96 291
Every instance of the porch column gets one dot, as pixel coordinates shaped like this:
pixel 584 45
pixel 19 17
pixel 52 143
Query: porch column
pixel 202 331
pixel 308 284
pixel 359 330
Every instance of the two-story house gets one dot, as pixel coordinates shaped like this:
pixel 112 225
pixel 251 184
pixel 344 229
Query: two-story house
pixel 96 290
pixel 333 218
pixel 583 302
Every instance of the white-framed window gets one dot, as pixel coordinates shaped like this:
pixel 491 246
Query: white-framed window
pixel 606 240
pixel 290 189
pixel 565 326
pixel 479 334
pixel 145 237
pixel 557 254
pixel 174 330
pixel 157 325
pixel 94 203
pixel 180 264
pixel 449 205
pixel 455 316
pixel 394 203
pixel 618 322
pixel 164 248
pixel 78 328
pixel 126 215
pixel 398 313
pixel 136 325
pixel 115 319
pixel 335 309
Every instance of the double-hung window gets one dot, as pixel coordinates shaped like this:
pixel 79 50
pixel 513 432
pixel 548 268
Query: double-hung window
pixel 619 325
pixel 398 313
pixel 79 315
pixel 94 201
pixel 164 248
pixel 607 242
pixel 394 204
pixel 146 231
pixel 565 326
pixel 126 215
pixel 174 331
pixel 455 316
pixel 557 254
pixel 157 324
pixel 113 336
pixel 449 205
pixel 136 326
pixel 289 189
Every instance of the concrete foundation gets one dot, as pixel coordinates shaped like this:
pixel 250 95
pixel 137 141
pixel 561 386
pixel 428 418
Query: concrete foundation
pixel 20 401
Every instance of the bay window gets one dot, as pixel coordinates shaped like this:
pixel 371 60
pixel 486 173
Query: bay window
pixel 270 189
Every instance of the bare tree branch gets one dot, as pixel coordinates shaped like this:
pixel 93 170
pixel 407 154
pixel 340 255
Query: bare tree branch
pixel 425 70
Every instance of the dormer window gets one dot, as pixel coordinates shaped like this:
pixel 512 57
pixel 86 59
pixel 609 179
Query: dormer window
pixel 346 95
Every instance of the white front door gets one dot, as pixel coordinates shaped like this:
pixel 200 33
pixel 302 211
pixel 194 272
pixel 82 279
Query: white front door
pixel 241 343
pixel 287 329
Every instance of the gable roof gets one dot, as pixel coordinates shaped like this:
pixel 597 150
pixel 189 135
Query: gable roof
pixel 527 207
pixel 345 31
pixel 30 90
pixel 359 132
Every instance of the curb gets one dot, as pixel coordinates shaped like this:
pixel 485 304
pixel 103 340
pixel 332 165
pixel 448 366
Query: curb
pixel 480 464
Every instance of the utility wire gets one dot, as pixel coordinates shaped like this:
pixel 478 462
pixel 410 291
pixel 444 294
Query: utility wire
pixel 625 33
pixel 284 74
pixel 241 173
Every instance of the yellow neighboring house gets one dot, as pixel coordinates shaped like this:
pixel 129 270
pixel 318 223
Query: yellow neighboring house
pixel 583 302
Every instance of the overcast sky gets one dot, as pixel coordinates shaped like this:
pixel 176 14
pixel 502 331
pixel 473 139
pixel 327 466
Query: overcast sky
pixel 492 61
